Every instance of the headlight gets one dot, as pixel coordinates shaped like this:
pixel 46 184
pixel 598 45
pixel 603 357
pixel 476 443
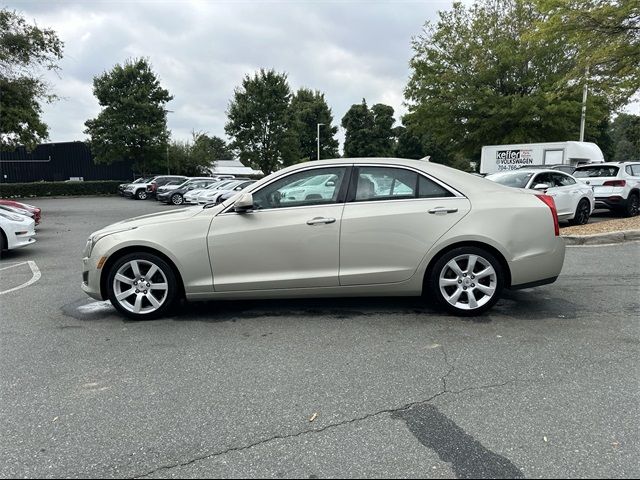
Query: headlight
pixel 96 237
pixel 13 216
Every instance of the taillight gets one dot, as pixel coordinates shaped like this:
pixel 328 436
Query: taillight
pixel 548 199
pixel 614 183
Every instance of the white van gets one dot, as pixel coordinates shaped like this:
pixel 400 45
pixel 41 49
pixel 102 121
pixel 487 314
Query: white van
pixel 498 158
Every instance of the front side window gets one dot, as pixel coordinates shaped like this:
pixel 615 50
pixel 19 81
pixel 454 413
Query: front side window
pixel 310 187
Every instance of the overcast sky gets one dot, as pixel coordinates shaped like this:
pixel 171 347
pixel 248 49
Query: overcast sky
pixel 201 50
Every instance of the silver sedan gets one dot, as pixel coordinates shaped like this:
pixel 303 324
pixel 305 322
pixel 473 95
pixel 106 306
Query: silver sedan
pixel 376 227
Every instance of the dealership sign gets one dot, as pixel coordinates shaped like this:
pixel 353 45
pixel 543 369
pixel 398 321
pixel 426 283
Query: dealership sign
pixel 513 159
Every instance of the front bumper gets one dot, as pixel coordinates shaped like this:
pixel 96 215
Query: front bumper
pixel 164 196
pixel 91 278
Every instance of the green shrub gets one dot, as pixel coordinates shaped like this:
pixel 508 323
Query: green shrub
pixel 51 189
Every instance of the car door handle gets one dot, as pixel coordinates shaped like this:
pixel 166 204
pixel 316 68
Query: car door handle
pixel 442 210
pixel 320 220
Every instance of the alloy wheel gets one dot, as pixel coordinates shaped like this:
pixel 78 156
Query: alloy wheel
pixel 177 199
pixel 468 282
pixel 140 286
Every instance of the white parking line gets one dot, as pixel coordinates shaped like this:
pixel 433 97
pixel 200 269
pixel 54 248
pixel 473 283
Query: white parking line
pixel 34 270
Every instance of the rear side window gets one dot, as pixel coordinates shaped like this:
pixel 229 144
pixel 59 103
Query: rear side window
pixel 388 183
pixel 636 170
pixel 597 171
pixel 562 180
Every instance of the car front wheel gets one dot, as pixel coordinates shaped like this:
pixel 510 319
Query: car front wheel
pixel 177 199
pixel 141 286
pixel 141 194
pixel 466 281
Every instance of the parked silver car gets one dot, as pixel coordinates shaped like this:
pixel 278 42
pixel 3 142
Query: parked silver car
pixel 382 227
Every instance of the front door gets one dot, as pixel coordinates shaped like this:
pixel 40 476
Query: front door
pixel 289 240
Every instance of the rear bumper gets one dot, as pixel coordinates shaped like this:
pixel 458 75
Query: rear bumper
pixel 611 202
pixel 538 268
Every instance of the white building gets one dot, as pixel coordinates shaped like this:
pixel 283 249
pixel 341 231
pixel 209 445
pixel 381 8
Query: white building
pixel 233 167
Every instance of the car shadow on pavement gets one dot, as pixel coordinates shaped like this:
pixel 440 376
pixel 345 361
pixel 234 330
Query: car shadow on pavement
pixel 237 310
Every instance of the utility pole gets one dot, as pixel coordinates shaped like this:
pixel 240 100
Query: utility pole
pixel 318 137
pixel 168 172
pixel 584 104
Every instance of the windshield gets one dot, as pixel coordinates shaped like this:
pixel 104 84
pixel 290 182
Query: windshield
pixel 511 179
pixel 596 171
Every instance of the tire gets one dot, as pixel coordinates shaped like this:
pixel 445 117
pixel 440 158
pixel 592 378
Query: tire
pixel 177 199
pixel 144 302
pixel 633 206
pixel 444 283
pixel 3 242
pixel 141 194
pixel 583 211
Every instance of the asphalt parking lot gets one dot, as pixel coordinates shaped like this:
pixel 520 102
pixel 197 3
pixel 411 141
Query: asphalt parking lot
pixel 545 385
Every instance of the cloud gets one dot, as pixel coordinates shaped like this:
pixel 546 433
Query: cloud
pixel 202 50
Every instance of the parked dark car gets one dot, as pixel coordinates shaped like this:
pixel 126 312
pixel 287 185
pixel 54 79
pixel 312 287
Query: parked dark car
pixel 176 196
pixel 161 180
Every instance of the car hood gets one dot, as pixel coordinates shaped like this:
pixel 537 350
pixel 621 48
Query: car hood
pixel 151 219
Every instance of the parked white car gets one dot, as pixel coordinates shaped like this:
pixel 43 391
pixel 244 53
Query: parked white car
pixel 16 231
pixel 616 186
pixel 574 200
pixel 192 196
pixel 455 237
pixel 211 196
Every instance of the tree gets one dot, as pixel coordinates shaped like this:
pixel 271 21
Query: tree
pixel 132 125
pixel 259 122
pixel 25 50
pixel 625 137
pixel 603 36
pixel 206 150
pixel 478 79
pixel 308 108
pixel 369 132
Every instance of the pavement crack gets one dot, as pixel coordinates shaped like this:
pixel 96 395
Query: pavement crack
pixel 329 426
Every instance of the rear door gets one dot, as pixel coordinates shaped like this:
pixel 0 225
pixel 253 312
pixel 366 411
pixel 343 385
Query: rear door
pixel 565 193
pixel 391 219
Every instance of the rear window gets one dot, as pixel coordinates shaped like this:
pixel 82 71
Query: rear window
pixel 597 171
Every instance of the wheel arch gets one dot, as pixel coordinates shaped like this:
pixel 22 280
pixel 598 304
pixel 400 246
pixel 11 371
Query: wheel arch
pixel 113 258
pixel 468 243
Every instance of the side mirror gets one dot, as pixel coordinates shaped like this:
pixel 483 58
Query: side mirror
pixel 541 186
pixel 330 183
pixel 244 203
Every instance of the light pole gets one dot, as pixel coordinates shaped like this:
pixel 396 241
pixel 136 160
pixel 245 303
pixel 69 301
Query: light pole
pixel 318 137
pixel 583 117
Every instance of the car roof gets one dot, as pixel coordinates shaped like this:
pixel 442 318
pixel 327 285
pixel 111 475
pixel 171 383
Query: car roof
pixel 537 170
pixel 609 164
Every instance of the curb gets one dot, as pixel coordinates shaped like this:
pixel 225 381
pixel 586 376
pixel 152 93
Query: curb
pixel 602 238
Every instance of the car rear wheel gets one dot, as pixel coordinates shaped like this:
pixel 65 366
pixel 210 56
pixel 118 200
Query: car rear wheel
pixel 467 281
pixel 141 194
pixel 177 199
pixel 141 286
pixel 583 211
pixel 633 205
